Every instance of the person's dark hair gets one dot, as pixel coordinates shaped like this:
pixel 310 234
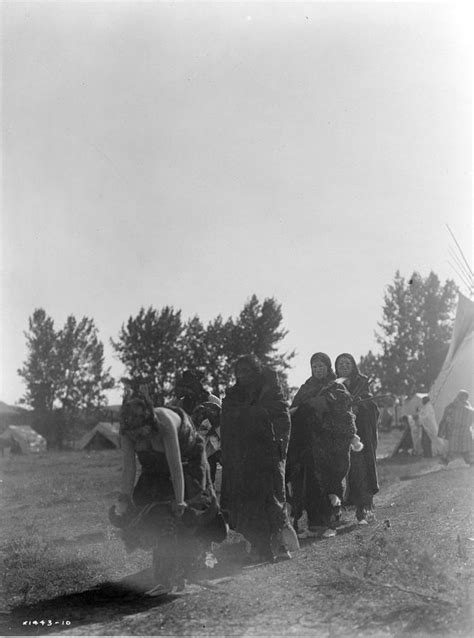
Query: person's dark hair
pixel 132 401
pixel 463 395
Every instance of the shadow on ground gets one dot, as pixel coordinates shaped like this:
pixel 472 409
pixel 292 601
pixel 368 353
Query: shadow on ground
pixel 114 601
pixel 109 601
pixel 106 602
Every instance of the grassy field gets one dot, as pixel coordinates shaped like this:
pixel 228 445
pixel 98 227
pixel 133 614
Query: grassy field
pixel 55 539
pixel 55 536
pixel 55 523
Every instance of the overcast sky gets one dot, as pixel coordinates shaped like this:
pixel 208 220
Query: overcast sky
pixel 191 154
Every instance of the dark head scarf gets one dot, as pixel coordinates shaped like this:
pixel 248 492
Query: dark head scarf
pixel 255 366
pixel 357 384
pixel 322 356
pixel 355 368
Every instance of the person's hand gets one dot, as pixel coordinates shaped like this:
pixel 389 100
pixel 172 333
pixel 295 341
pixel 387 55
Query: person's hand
pixel 356 444
pixel 178 508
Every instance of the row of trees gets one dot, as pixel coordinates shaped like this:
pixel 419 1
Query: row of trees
pixel 157 345
pixel 66 378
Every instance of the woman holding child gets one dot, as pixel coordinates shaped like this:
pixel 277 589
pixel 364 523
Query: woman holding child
pixel 304 488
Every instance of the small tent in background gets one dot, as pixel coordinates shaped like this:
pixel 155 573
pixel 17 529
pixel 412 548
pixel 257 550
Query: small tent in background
pixel 23 439
pixel 104 436
pixel 13 415
pixel 457 371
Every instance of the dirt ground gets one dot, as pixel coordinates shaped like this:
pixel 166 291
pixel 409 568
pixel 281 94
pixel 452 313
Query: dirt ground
pixel 409 573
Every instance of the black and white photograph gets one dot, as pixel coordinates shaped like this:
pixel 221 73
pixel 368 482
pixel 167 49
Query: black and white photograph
pixel 237 319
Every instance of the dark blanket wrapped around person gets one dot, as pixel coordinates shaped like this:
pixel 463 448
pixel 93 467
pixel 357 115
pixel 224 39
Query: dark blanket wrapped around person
pixel 331 433
pixel 255 432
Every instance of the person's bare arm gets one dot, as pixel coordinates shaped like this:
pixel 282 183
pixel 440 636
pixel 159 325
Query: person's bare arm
pixel 128 475
pixel 169 423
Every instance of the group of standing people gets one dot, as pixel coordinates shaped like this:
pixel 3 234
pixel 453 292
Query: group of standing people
pixel 277 462
pixel 355 465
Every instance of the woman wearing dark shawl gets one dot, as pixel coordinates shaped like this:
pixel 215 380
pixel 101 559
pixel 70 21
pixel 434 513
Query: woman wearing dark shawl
pixel 362 481
pixel 255 429
pixel 305 490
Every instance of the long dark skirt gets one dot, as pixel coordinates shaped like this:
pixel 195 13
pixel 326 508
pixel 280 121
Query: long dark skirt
pixel 362 480
pixel 305 493
pixel 360 491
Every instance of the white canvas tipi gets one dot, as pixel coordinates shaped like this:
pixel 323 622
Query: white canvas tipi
pixel 457 372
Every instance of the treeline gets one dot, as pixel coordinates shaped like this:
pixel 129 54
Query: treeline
pixel 157 344
pixel 64 375
pixel 66 378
